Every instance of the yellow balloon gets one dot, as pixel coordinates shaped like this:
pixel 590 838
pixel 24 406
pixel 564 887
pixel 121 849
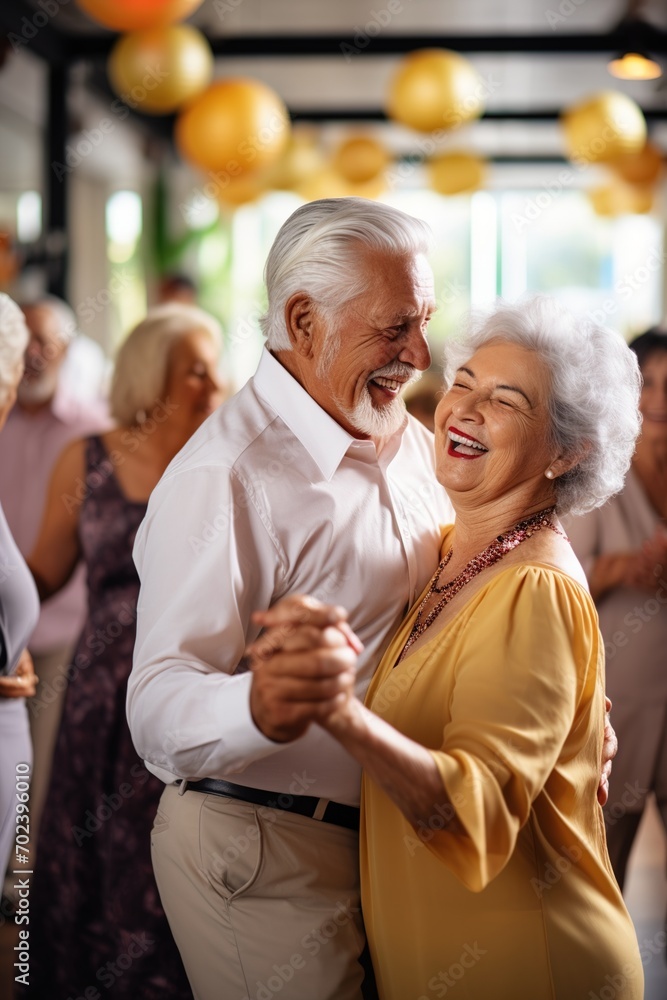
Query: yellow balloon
pixel 457 173
pixel 177 52
pixel 435 89
pixel 621 199
pixel 244 189
pixel 326 184
pixel 603 127
pixel 135 15
pixel 360 159
pixel 236 126
pixel 302 159
pixel 372 190
pixel 644 167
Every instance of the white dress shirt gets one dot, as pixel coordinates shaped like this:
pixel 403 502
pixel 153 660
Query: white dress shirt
pixel 270 497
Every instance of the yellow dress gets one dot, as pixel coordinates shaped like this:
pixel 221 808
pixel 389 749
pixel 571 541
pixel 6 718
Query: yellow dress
pixel 523 905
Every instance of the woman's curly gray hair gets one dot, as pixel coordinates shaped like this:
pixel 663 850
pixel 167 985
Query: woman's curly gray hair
pixel 595 386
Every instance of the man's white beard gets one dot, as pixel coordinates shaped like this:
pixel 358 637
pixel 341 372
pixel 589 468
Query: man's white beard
pixel 380 421
pixel 365 417
pixel 376 421
pixel 37 389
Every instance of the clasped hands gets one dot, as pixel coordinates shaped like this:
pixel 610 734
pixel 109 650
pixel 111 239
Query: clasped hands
pixel 304 667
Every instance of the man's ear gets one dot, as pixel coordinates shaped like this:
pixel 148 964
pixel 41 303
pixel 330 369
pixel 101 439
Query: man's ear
pixel 300 321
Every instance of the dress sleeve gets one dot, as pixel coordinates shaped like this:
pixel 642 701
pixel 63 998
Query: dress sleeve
pixel 528 654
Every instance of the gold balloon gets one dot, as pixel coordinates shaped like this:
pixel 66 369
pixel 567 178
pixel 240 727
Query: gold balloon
pixel 457 173
pixel 179 52
pixel 621 199
pixel 644 167
pixel 326 184
pixel 360 160
pixel 603 127
pixel 435 89
pixel 244 189
pixel 135 15
pixel 237 126
pixel 302 159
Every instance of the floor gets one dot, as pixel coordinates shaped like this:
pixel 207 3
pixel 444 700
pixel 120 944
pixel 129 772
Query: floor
pixel 646 895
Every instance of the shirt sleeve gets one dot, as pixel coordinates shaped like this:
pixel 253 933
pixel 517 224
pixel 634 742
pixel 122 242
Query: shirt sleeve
pixel 206 560
pixel 523 672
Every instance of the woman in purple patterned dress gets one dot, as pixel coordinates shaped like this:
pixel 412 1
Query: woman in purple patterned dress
pixel 97 925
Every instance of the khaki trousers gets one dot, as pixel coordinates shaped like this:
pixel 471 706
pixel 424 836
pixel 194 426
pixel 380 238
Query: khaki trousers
pixel 261 903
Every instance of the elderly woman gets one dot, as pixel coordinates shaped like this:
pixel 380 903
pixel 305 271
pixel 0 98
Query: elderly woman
pixel 623 549
pixel 96 918
pixel 483 856
pixel 19 610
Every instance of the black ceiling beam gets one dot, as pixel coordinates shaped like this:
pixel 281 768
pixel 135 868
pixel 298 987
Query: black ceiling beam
pixel 350 45
pixel 376 114
pixel 31 28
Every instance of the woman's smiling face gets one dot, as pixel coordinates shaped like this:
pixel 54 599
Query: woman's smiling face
pixel 493 428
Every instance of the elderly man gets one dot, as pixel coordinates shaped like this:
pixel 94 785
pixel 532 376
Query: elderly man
pixel 311 480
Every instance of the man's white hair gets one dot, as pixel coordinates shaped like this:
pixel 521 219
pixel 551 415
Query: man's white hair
pixel 14 337
pixel 317 251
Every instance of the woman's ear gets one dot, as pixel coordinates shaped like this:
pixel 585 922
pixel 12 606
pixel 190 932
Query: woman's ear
pixel 300 322
pixel 564 463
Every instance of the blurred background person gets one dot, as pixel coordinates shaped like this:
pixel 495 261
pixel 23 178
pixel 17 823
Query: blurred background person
pixel 623 549
pixel 47 416
pixel 94 896
pixel 177 288
pixel 19 610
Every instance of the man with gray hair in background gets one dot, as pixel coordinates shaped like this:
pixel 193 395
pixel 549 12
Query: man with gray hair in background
pixel 312 479
pixel 49 413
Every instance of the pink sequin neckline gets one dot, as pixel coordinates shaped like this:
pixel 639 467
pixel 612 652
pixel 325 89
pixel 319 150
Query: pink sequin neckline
pixel 492 554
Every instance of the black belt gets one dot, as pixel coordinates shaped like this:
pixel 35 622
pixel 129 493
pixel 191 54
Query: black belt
pixel 304 805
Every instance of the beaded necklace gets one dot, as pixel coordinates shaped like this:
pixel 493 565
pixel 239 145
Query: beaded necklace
pixel 498 548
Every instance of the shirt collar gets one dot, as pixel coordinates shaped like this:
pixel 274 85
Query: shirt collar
pixel 325 440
